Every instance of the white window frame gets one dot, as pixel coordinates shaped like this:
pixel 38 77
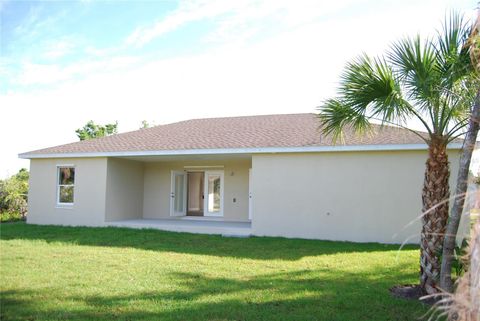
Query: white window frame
pixel 60 204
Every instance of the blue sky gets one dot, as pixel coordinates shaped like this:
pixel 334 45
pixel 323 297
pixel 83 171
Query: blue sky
pixel 62 33
pixel 63 63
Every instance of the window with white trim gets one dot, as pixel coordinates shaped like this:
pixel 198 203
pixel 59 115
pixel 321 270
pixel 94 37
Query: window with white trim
pixel 65 185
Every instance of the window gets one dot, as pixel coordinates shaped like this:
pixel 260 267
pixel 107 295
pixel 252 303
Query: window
pixel 66 185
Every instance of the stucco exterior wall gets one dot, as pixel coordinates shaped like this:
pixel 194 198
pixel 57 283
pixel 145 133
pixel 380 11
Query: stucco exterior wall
pixel 157 176
pixel 352 196
pixel 90 186
pixel 124 190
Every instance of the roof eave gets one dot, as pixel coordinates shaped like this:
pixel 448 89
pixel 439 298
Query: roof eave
pixel 223 151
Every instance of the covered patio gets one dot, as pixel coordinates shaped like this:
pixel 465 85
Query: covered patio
pixel 208 194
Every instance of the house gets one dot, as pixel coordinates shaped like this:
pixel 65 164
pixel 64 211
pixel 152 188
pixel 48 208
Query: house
pixel 272 175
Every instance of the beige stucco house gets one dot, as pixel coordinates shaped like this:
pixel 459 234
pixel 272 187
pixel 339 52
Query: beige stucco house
pixel 273 175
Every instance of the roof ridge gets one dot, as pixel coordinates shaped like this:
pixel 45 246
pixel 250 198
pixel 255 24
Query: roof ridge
pixel 244 116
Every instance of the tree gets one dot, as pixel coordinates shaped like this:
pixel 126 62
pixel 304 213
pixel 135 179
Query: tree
pixel 13 194
pixel 92 130
pixel 431 81
pixel 463 171
pixel 145 124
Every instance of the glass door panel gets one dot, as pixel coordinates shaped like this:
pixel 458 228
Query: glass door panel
pixel 177 194
pixel 214 193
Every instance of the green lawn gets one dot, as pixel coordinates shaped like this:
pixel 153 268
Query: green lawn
pixel 64 273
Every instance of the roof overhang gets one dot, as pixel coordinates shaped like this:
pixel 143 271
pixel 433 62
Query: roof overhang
pixel 224 151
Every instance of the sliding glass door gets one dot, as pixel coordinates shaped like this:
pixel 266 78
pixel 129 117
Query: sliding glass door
pixel 210 202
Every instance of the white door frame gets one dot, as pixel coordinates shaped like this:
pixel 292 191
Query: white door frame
pixel 173 196
pixel 250 208
pixel 206 196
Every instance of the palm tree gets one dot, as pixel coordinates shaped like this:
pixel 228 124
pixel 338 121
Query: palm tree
pixel 431 81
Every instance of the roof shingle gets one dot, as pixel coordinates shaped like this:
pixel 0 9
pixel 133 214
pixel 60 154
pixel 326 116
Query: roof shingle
pixel 287 130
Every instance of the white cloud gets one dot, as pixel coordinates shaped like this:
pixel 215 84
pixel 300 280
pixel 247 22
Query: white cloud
pixel 36 22
pixel 188 11
pixel 236 18
pixel 32 19
pixel 245 22
pixel 42 74
pixel 59 48
pixel 100 52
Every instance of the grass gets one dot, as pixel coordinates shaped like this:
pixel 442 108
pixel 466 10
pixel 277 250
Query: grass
pixel 66 273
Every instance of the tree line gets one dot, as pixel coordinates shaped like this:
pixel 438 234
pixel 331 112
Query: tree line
pixel 91 130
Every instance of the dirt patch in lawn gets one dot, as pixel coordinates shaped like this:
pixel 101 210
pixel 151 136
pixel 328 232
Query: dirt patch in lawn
pixel 413 292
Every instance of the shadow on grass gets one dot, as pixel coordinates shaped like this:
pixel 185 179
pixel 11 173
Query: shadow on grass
pixel 263 248
pixel 301 295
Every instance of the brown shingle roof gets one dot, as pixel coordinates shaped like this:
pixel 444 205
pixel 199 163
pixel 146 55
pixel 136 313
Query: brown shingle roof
pixel 292 130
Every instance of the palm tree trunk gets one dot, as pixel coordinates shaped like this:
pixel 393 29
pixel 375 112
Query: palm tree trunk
pixel 462 183
pixel 435 214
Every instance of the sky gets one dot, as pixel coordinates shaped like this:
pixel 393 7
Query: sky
pixel 63 63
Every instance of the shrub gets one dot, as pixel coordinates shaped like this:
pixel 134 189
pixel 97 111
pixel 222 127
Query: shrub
pixel 11 216
pixel 13 196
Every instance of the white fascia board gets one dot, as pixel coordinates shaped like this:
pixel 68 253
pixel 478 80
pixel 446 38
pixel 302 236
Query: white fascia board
pixel 259 150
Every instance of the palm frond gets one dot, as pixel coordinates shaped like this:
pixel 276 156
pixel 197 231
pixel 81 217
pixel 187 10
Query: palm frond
pixel 452 50
pixel 335 116
pixel 414 62
pixel 456 103
pixel 369 87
